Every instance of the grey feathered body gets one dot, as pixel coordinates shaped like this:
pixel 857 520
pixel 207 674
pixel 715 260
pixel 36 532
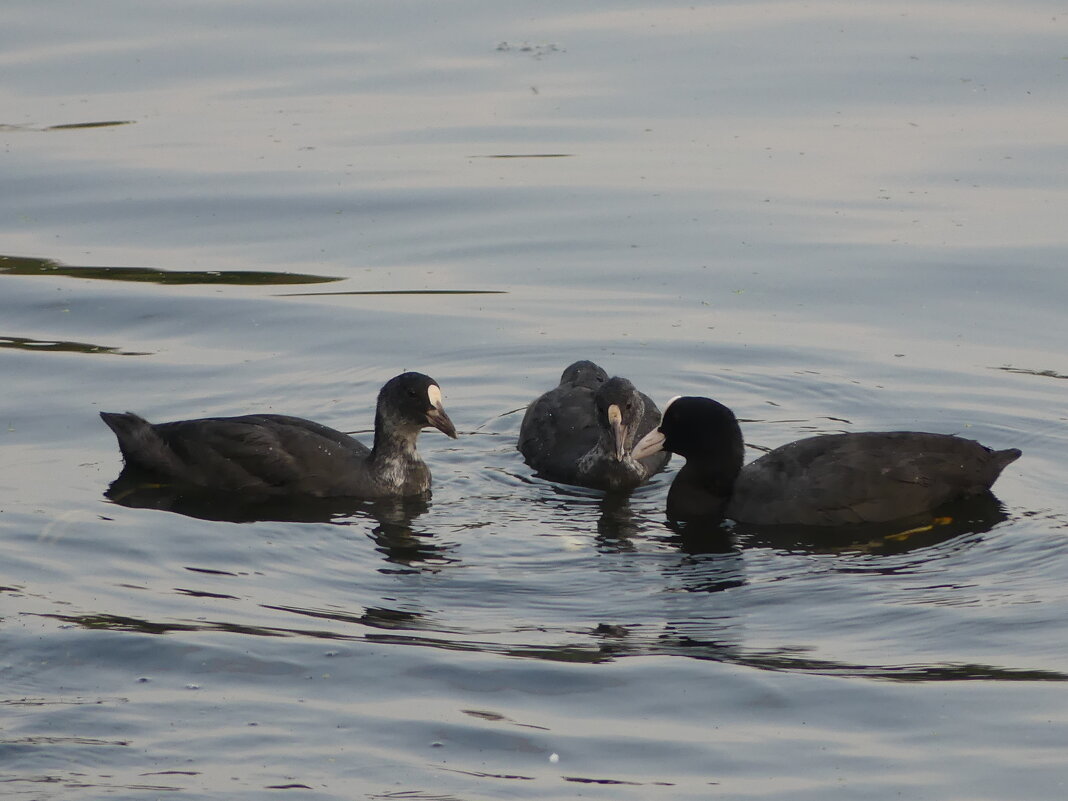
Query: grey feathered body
pixel 269 454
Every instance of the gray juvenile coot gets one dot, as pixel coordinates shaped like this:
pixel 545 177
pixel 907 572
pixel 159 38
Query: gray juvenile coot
pixel 275 454
pixel 828 480
pixel 582 431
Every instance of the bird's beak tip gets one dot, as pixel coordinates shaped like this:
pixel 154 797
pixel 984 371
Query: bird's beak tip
pixel 651 443
pixel 441 421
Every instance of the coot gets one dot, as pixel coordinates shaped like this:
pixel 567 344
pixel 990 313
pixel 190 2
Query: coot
pixel 274 454
pixel 828 480
pixel 582 431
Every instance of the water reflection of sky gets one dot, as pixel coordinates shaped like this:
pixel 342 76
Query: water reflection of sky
pixel 832 216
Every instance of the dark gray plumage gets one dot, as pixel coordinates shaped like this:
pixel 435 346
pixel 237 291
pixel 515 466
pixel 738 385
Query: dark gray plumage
pixel 582 431
pixel 274 454
pixel 828 480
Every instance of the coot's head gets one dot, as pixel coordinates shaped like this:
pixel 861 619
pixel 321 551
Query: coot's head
pixel 584 374
pixel 413 400
pixel 693 427
pixel 620 409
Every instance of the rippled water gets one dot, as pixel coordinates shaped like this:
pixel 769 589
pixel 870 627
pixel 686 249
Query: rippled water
pixel 830 216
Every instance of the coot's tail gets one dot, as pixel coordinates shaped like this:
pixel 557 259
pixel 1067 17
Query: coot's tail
pixel 141 446
pixel 999 460
pixel 127 427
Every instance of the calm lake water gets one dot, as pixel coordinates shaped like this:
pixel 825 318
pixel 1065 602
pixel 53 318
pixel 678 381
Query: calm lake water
pixel 830 216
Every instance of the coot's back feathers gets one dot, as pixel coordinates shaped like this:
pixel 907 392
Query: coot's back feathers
pixel 252 453
pixel 863 477
pixel 277 454
pixel 583 373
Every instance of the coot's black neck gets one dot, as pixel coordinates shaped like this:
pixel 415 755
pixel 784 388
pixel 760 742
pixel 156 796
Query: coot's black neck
pixel 702 488
pixel 714 453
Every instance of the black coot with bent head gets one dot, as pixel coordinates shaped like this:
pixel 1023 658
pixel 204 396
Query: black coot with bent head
pixel 582 431
pixel 828 480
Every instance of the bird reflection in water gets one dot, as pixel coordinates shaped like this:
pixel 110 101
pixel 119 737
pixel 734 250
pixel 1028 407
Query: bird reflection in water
pixel 967 516
pixel 409 550
pixel 392 532
pixel 714 548
pixel 712 559
pixel 616 525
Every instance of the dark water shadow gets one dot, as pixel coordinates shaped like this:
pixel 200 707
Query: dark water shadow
pixel 139 490
pixel 795 661
pixel 617 526
pixel 696 537
pixel 433 292
pixel 712 549
pixel 967 516
pixel 375 617
pixel 80 126
pixel 32 266
pixel 1026 371
pixel 610 643
pixel 710 561
pixel 405 548
pixel 523 156
pixel 392 519
pixel 66 126
pixel 61 346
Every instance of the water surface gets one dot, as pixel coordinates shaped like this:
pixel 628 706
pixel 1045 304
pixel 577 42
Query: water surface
pixel 830 216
